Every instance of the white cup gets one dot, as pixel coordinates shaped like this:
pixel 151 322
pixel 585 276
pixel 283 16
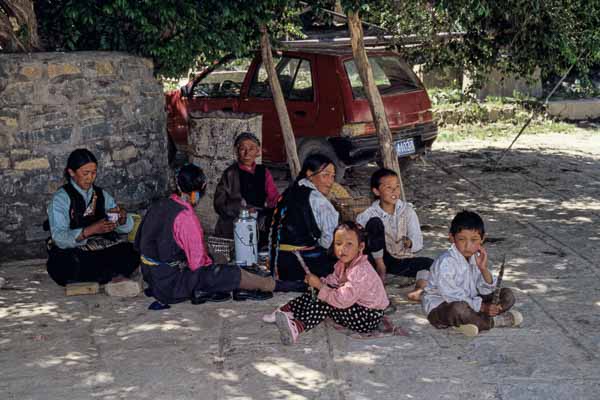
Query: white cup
pixel 112 217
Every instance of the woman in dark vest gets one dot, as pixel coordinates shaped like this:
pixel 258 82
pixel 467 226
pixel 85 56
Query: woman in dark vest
pixel 304 222
pixel 245 184
pixel 175 262
pixel 85 245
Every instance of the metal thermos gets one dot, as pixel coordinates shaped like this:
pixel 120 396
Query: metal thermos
pixel 245 239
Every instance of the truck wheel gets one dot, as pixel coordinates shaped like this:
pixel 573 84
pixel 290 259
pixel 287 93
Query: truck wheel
pixel 316 146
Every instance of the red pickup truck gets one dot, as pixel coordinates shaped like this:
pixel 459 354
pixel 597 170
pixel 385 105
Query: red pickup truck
pixel 325 100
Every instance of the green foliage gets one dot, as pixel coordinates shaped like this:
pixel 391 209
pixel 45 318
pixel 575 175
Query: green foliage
pixel 174 33
pixel 445 96
pixel 511 35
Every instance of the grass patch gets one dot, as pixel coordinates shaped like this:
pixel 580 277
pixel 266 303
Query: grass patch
pixel 501 130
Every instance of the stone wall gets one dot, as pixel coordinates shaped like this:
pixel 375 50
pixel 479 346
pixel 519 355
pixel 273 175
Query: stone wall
pixel 575 109
pixel 53 103
pixel 211 140
pixel 505 85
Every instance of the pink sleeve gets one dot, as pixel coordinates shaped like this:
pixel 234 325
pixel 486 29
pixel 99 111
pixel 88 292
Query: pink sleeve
pixel 333 278
pixel 330 279
pixel 271 189
pixel 188 235
pixel 348 293
pixel 341 297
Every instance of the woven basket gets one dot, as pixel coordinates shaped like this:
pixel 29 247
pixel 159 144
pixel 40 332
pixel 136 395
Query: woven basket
pixel 350 207
pixel 218 246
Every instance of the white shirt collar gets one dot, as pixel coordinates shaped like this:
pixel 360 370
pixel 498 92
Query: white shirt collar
pixel 400 206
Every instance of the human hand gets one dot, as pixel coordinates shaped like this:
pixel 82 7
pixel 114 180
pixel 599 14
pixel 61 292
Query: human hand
pixel 491 309
pixel 122 214
pixel 481 259
pixel 98 228
pixel 313 281
pixel 406 242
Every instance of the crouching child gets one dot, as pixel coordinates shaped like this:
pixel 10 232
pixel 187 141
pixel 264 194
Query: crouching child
pixel 460 289
pixel 353 295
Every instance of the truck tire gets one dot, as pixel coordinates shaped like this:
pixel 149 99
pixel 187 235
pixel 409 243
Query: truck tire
pixel 321 146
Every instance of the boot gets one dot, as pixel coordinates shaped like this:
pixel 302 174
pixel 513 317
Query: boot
pixel 509 319
pixel 468 329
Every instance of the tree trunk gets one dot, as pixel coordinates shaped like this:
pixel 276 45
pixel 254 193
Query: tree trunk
pixel 388 154
pixel 18 26
pixel 282 113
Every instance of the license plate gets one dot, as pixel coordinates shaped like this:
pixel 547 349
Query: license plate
pixel 404 147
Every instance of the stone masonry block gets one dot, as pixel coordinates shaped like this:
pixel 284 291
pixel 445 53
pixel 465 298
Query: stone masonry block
pixel 55 70
pixel 31 72
pixel 20 154
pixel 104 68
pixel 9 122
pixel 4 162
pixel 44 136
pixel 127 153
pixel 16 93
pixel 33 164
pixel 95 131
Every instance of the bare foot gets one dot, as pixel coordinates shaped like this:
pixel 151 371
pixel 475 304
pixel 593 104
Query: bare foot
pixel 415 295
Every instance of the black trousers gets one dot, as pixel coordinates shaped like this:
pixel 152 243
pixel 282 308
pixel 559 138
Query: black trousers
pixel 172 285
pixel 318 261
pixel 76 265
pixel 396 266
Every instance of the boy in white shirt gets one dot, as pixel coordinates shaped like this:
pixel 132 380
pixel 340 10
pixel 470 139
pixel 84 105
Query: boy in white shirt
pixel 394 233
pixel 460 288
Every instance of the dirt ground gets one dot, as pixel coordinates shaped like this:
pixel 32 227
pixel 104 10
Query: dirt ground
pixel 541 206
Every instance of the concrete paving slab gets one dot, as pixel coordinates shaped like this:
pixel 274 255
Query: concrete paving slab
pixel 97 347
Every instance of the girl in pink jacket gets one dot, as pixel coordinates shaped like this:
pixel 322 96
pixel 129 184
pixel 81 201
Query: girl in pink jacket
pixel 353 295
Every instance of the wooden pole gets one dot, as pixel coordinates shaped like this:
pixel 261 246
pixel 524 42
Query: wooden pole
pixel 282 113
pixel 386 148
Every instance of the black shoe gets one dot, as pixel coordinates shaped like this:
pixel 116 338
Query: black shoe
pixel 254 269
pixel 243 295
pixel 201 297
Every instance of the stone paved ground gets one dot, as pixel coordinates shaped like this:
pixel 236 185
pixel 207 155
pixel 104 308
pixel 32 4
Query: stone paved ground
pixel 542 209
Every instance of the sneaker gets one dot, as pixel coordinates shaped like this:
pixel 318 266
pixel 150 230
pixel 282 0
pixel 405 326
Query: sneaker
pixel 270 318
pixel 509 319
pixel 468 329
pixel 288 331
pixel 123 288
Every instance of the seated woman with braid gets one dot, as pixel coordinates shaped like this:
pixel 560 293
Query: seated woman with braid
pixel 85 245
pixel 303 225
pixel 175 262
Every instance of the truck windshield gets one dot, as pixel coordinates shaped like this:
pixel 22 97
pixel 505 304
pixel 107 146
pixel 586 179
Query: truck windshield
pixel 391 74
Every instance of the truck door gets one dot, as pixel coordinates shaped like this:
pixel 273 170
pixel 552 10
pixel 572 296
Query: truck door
pixel 296 76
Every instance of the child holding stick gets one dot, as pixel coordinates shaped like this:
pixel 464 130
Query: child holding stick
pixel 353 295
pixel 459 291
